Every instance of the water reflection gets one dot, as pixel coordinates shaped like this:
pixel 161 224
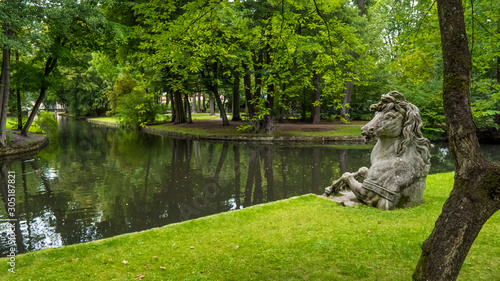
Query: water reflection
pixel 98 182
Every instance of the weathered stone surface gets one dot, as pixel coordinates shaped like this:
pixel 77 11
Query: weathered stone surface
pixel 400 159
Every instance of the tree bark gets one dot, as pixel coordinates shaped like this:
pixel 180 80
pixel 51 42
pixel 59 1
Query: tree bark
pixel 211 84
pixel 193 106
pixel 236 97
pixel 267 124
pixel 347 100
pixel 18 103
pixel 180 117
pixel 19 110
pixel 211 104
pixel 247 81
pixel 49 66
pixel 198 105
pixel 476 192
pixel 361 7
pixel 188 109
pixel 315 109
pixel 4 94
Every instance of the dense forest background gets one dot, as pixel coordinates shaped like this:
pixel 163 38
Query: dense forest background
pixel 314 59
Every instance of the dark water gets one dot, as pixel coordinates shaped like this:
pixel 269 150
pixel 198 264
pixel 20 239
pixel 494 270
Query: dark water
pixel 95 182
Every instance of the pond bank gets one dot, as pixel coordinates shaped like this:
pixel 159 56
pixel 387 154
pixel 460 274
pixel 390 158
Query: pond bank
pixel 302 238
pixel 212 130
pixel 20 145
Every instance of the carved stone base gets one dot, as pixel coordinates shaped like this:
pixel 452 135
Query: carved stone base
pixel 346 199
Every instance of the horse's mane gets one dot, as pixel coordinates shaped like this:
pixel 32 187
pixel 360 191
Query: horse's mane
pixel 412 122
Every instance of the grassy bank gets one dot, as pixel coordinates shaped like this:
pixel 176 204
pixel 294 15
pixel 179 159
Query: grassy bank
pixel 305 238
pixel 204 126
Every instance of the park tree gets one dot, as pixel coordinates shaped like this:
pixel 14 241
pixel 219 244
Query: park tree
pixel 68 28
pixel 476 192
pixel 16 18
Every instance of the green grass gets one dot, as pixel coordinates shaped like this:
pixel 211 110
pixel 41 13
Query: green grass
pixel 205 116
pixel 305 238
pixel 220 131
pixel 351 130
pixel 12 124
pixel 107 119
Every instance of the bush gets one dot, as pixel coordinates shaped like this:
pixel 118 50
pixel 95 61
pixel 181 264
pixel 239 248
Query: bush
pixel 136 109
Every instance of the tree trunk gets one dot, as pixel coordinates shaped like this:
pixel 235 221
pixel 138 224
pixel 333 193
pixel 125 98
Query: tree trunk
pixel 193 106
pixel 172 106
pixel 349 87
pixel 268 123
pixel 18 103
pixel 476 192
pixel 248 92
pixel 347 100
pixel 4 95
pixel 180 116
pixel 315 109
pixel 49 66
pixel 361 7
pixel 211 84
pixel 19 110
pixel 212 104
pixel 236 97
pixel 188 109
pixel 225 121
pixel 198 105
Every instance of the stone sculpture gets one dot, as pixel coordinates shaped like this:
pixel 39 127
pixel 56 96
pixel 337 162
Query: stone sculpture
pixel 400 159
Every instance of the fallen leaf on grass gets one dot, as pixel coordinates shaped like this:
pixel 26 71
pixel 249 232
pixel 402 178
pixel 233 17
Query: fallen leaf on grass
pixel 235 247
pixel 124 262
pixel 146 266
pixel 155 257
pixel 139 276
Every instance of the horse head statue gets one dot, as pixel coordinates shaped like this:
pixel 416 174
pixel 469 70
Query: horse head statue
pixel 400 159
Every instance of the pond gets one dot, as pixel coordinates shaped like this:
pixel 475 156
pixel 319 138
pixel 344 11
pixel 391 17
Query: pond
pixel 94 181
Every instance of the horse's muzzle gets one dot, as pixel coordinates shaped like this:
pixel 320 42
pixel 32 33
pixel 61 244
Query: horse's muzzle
pixel 368 133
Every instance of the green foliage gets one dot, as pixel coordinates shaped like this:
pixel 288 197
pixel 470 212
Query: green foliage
pixel 485 103
pixel 8 137
pixel 83 90
pixel 122 87
pixel 245 128
pixel 136 109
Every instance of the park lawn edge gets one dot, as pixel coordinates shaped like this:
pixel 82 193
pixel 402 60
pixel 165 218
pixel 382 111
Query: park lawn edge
pixel 342 134
pixel 302 238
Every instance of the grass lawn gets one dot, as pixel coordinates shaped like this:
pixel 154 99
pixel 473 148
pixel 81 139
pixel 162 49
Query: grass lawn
pixel 228 131
pixel 305 238
pixel 107 119
pixel 353 130
pixel 12 124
